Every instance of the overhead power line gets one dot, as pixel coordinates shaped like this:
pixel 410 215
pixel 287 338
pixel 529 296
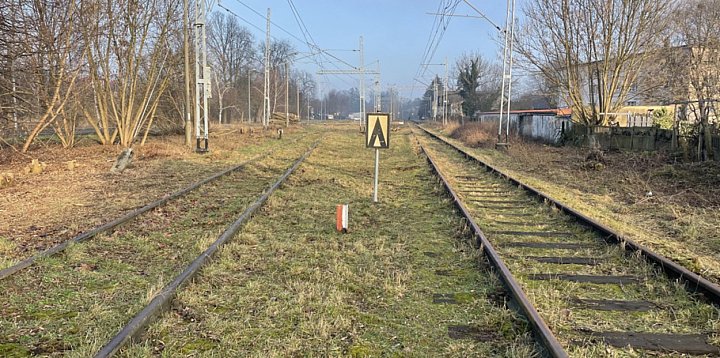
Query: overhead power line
pixel 442 20
pixel 293 35
pixel 483 15
pixel 263 31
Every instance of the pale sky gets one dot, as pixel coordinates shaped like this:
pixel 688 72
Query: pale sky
pixel 395 32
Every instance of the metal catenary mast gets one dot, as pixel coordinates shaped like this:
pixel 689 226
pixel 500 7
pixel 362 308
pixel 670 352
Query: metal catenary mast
pixel 202 78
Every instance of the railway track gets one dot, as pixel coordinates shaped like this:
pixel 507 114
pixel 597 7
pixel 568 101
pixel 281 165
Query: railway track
pixel 403 281
pixel 583 295
pixel 81 295
pixel 127 217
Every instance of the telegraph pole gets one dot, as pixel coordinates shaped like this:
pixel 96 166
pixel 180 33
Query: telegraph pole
pixel 202 78
pixel 287 94
pixel 266 93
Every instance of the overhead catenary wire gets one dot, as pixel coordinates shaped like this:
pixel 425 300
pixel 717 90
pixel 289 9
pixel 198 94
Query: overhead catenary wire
pixel 444 22
pixel 293 35
pixel 440 25
pixel 263 31
pixel 312 44
pixel 482 15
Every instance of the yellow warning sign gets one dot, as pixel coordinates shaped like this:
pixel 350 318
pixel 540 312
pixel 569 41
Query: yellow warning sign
pixel 377 134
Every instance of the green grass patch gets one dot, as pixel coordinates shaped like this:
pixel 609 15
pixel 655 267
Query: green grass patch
pixel 80 298
pixel 290 285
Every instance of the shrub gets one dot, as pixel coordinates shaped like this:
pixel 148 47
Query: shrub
pixel 476 134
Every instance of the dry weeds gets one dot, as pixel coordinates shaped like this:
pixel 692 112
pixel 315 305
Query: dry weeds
pixel 474 134
pixel 668 206
pixel 40 210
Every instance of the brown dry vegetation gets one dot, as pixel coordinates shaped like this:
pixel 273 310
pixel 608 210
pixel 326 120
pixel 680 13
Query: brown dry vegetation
pixel 474 134
pixel 76 191
pixel 668 206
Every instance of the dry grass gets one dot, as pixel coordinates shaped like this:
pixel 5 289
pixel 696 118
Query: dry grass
pixel 290 285
pixel 475 134
pixel 667 206
pixel 40 210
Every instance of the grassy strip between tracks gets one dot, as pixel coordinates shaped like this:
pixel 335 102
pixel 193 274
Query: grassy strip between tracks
pixel 73 302
pixel 290 285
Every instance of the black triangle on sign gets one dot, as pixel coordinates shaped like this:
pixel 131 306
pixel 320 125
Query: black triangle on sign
pixel 377 133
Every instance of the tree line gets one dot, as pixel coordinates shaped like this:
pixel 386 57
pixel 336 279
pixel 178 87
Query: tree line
pixel 116 66
pixel 596 57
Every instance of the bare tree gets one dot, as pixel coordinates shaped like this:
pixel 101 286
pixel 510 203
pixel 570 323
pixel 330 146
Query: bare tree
pixel 127 59
pixel 592 50
pixel 307 87
pixel 52 53
pixel 693 70
pixel 534 92
pixel 231 49
pixel 281 51
pixel 339 102
pixel 11 31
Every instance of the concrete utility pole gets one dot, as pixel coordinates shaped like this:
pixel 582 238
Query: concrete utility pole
pixel 392 103
pixel 445 96
pixel 16 124
pixel 435 99
pixel 400 105
pixel 249 109
pixel 202 78
pixel 287 94
pixel 186 50
pixel 266 92
pixel 362 82
pixel 436 95
pixel 297 101
pixel 321 90
pixel 378 93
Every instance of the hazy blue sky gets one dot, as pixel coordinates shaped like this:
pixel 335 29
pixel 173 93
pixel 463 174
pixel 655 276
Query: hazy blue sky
pixel 395 32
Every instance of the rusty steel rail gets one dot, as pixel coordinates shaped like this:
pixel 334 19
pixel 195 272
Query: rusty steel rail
pixel 693 282
pixel 6 272
pixel 540 328
pixel 162 300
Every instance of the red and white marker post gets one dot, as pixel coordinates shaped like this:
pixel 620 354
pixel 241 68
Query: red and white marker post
pixel 341 218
